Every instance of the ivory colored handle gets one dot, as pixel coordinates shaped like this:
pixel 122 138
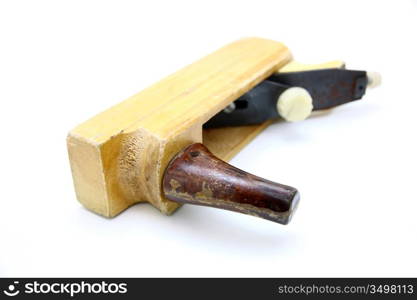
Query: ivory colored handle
pixel 198 177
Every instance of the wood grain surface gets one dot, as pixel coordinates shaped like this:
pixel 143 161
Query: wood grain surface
pixel 196 176
pixel 119 156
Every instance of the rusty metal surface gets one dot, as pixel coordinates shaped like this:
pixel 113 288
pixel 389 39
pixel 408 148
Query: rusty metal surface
pixel 327 87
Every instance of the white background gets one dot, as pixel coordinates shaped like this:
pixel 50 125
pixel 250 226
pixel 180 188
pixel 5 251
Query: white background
pixel 62 62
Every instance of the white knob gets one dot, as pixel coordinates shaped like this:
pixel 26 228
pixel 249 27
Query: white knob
pixel 374 79
pixel 295 104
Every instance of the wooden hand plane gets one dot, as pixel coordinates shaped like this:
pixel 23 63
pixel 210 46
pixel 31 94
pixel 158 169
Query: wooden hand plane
pixel 169 144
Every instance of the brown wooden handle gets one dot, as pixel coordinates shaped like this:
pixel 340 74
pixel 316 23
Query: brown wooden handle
pixel 198 177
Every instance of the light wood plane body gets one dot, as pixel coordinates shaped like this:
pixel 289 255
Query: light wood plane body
pixel 118 157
